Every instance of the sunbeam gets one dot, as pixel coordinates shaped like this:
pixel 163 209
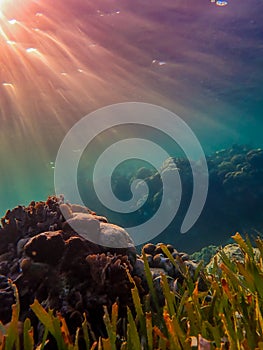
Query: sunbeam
pixel 60 61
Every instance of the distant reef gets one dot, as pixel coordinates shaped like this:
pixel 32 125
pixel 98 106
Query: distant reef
pixel 234 202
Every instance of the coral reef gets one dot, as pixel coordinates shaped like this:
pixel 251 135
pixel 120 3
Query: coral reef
pixel 49 261
pixel 234 202
pixel 205 254
pixel 67 272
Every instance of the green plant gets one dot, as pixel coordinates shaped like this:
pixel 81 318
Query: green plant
pixel 228 315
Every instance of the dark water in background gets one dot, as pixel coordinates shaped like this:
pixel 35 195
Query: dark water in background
pixel 60 62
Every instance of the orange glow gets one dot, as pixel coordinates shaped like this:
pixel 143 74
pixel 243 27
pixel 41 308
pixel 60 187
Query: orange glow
pixel 52 66
pixel 4 3
pixel 57 65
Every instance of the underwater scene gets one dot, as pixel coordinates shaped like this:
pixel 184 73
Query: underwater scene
pixel 131 191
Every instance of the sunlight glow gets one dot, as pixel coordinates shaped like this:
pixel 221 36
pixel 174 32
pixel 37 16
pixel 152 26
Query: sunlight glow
pixel 221 3
pixel 8 85
pixel 31 49
pixel 37 59
pixel 12 21
pixel 10 42
pixel 61 66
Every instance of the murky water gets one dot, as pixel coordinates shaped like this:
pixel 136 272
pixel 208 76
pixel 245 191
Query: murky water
pixel 60 62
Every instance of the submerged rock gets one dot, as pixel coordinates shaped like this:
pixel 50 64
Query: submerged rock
pixel 47 247
pixel 101 235
pixel 159 264
pixel 97 230
pixel 7 299
pixel 114 236
pixel 85 225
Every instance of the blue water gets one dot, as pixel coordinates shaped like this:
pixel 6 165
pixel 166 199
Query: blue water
pixel 202 61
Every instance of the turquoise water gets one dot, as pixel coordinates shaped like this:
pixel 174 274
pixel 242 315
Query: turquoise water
pixel 60 62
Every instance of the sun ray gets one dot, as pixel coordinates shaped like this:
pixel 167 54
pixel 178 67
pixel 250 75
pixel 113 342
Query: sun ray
pixel 60 60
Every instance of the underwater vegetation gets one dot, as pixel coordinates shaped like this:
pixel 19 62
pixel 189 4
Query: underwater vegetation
pixel 225 314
